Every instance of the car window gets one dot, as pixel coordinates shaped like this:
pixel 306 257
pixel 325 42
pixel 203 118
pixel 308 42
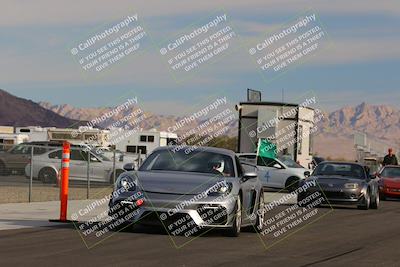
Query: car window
pixel 39 150
pixel 267 162
pixel 390 172
pixel 77 155
pixel 340 169
pixel 248 158
pixel 21 149
pixel 289 162
pixel 196 161
pixel 55 154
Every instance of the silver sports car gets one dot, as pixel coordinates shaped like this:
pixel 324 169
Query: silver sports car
pixel 190 188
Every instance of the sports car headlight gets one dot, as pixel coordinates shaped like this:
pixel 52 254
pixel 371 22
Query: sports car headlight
pixel 351 185
pixel 220 189
pixel 126 183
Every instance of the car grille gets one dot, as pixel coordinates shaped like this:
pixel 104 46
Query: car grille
pixel 334 194
pixel 213 214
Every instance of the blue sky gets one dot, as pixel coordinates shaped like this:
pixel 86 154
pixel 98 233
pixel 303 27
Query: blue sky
pixel 361 65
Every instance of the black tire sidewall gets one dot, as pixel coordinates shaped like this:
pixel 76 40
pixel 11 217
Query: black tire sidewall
pixel 51 179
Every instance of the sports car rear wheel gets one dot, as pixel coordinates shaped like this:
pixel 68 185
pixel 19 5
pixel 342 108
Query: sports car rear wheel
pixel 237 221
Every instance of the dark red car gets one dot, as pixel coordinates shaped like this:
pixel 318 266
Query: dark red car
pixel 389 182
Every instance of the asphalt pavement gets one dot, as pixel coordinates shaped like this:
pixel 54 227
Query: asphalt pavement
pixel 344 237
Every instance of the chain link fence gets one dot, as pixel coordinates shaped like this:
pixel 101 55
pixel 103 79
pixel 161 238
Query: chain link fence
pixel 31 172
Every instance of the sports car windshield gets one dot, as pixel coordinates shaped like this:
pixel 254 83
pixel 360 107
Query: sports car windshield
pixel 340 169
pixel 200 162
pixel 390 172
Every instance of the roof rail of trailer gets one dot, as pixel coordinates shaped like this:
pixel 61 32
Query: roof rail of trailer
pixel 267 103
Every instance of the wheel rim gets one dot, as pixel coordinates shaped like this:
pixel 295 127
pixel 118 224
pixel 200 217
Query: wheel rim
pixel 238 215
pixel 47 176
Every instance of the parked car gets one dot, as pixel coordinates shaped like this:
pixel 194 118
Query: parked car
pixel 281 172
pixel 119 155
pixel 46 166
pixel 343 183
pixel 389 181
pixel 186 186
pixel 16 158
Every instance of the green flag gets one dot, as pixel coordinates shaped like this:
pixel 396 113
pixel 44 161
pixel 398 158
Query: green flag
pixel 266 149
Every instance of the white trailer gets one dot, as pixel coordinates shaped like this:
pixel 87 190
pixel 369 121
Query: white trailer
pixel 35 133
pixel 7 140
pixel 289 126
pixel 78 136
pixel 143 142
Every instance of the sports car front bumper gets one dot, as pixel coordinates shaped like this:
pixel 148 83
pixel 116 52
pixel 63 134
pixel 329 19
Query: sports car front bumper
pixel 173 211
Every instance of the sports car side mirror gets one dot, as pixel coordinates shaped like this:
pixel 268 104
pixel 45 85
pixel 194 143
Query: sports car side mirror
pixel 249 175
pixel 129 167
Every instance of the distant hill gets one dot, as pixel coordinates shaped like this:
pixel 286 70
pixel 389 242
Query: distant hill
pixel 334 137
pixel 336 132
pixel 152 121
pixel 15 111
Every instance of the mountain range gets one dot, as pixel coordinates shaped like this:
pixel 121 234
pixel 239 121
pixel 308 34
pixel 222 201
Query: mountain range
pixel 334 137
pixel 15 111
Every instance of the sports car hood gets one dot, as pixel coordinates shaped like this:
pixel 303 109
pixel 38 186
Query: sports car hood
pixel 335 180
pixel 181 183
pixel 391 182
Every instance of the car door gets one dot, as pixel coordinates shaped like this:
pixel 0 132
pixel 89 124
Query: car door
pixel 271 172
pixel 99 170
pixel 78 165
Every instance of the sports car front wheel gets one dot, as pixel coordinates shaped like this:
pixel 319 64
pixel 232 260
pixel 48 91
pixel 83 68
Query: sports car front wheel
pixel 260 214
pixel 365 202
pixel 234 231
pixel 375 202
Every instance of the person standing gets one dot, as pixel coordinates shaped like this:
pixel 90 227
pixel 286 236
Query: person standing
pixel 390 158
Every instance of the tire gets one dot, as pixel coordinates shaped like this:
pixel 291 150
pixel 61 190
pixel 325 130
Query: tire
pixel 48 176
pixel 365 202
pixel 300 198
pixel 382 196
pixel 3 169
pixel 375 204
pixel 117 173
pixel 259 225
pixel 234 231
pixel 292 183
